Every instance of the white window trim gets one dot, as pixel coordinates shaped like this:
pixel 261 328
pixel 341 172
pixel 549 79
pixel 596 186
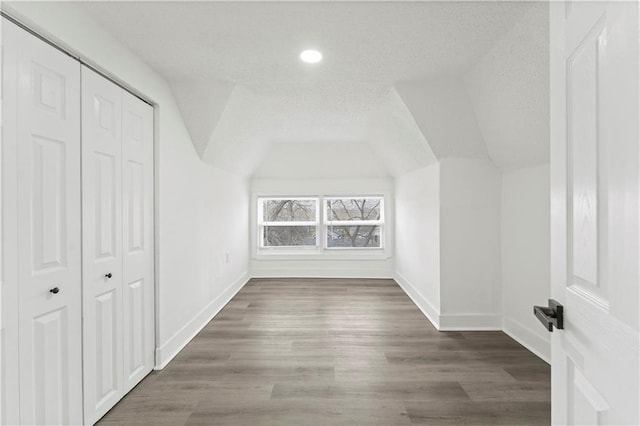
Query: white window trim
pixel 378 222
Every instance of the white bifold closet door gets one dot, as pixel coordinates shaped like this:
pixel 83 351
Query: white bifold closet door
pixel 137 239
pixel 117 212
pixel 102 244
pixel 77 249
pixel 41 175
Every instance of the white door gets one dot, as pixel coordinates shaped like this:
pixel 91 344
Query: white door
pixel 594 216
pixel 137 221
pixel 47 91
pixel 102 244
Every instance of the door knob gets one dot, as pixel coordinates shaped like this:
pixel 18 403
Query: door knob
pixel 551 316
pixel 54 290
pixel 108 275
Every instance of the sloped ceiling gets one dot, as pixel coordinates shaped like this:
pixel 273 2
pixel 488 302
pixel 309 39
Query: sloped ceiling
pixel 245 96
pixel 258 115
pixel 331 113
pixel 509 91
pixel 444 114
pixel 201 103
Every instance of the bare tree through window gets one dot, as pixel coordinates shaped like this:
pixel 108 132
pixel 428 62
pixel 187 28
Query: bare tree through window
pixel 289 222
pixel 354 222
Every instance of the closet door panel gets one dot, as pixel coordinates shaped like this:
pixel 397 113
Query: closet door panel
pixel 48 133
pixel 137 143
pixel 102 243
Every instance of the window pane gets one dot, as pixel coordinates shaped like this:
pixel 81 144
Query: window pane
pixel 353 236
pixel 354 209
pixel 289 210
pixel 282 236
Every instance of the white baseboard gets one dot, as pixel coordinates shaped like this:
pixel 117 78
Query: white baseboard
pixel 449 322
pixel 429 311
pixel 470 322
pixel 527 338
pixel 179 340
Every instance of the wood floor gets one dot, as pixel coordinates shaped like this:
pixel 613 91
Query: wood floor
pixel 338 352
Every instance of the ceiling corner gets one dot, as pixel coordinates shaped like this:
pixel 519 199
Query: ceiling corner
pixel 201 104
pixel 443 112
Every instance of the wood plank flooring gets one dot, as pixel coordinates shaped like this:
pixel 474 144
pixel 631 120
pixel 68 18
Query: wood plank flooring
pixel 338 352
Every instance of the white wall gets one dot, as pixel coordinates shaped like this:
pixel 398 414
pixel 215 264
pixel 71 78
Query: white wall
pixel 201 211
pixel 469 245
pixel 367 263
pixel 448 242
pixel 418 238
pixel 525 254
pixel 509 91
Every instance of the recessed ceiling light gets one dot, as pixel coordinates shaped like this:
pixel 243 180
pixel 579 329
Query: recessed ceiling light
pixel 311 56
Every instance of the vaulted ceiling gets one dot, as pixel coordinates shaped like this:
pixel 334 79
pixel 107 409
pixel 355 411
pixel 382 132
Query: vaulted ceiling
pixel 411 81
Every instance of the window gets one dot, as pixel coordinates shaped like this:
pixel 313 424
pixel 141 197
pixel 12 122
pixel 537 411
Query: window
pixel 296 223
pixel 354 222
pixel 288 222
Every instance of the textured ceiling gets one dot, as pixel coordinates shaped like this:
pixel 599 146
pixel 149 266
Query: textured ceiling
pixel 259 42
pixel 509 90
pixel 235 73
